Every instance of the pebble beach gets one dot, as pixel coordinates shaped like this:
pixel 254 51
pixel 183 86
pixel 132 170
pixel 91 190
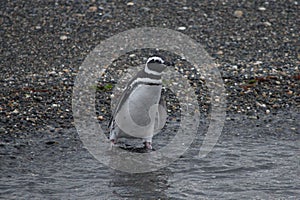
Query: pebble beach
pixel 255 45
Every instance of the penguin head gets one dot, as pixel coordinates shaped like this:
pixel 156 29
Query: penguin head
pixel 156 64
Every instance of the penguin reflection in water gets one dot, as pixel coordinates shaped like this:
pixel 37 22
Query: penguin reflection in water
pixel 141 111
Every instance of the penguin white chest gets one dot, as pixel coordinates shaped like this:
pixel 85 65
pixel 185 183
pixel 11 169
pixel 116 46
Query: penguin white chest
pixel 144 98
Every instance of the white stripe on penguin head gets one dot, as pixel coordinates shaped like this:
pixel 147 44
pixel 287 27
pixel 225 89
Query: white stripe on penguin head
pixel 155 58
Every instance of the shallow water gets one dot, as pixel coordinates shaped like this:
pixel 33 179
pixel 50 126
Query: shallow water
pixel 253 159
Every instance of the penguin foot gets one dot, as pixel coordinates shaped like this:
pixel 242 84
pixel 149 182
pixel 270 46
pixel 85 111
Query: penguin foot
pixel 148 145
pixel 112 143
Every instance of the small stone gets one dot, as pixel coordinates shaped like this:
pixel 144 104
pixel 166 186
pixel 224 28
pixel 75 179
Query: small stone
pixel 261 105
pixel 132 55
pixel 2 130
pixel 264 94
pixel 235 67
pixel 146 9
pixel 277 82
pixel 37 98
pixel 63 37
pixel 38 27
pixel 55 105
pixel 290 92
pixel 52 73
pixel 181 28
pixel 15 111
pixel 267 24
pixel 257 62
pixel 220 52
pixel 252 117
pixel 238 13
pixel 93 9
pixel 30 119
pixel 130 4
pixel 78 15
pixel 268 111
pixel 262 9
pixel 100 117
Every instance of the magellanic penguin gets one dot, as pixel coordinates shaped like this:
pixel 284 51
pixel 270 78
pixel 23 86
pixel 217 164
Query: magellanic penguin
pixel 141 110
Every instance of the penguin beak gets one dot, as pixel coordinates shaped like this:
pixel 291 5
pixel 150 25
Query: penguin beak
pixel 169 63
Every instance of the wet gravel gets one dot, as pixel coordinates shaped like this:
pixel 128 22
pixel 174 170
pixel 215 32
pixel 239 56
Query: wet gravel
pixel 252 159
pixel 254 43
